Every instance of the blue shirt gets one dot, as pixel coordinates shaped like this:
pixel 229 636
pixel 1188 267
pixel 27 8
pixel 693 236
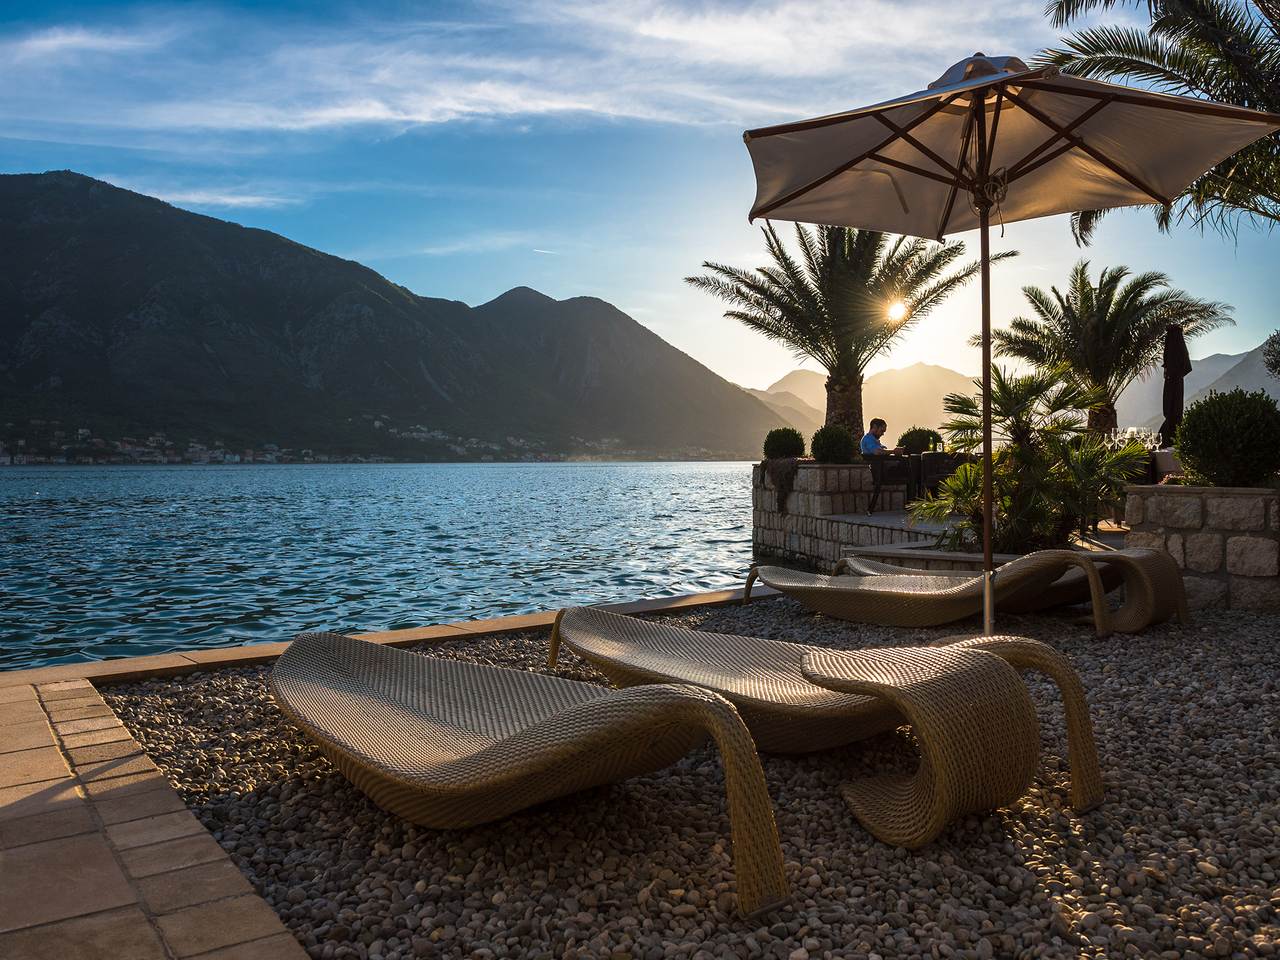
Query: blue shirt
pixel 871 444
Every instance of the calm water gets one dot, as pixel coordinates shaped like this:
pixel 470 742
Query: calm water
pixel 117 561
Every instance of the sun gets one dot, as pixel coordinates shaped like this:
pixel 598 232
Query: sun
pixel 897 311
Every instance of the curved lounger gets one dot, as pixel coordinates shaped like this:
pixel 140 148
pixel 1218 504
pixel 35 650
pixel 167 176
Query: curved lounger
pixel 451 744
pixel 787 713
pixel 1069 589
pixel 1154 591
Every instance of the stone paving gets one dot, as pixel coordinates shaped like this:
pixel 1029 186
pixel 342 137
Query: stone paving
pixel 99 857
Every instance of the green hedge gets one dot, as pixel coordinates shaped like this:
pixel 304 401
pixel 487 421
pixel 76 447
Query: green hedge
pixel 1231 440
pixel 833 444
pixel 920 439
pixel 783 442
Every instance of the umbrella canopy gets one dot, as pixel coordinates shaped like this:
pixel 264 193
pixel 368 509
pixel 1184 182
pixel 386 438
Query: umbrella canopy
pixel 1177 364
pixel 992 135
pixel 1043 144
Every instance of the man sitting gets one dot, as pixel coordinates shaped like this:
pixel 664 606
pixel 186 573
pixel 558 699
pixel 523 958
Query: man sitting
pixel 871 445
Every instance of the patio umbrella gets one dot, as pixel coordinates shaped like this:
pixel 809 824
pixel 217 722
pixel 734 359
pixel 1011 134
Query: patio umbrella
pixel 1177 364
pixel 992 137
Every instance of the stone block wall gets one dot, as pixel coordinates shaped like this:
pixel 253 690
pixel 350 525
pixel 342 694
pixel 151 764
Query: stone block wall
pixel 815 528
pixel 1225 539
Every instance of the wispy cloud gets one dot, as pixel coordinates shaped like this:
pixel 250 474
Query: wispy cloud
pixel 482 242
pixel 640 59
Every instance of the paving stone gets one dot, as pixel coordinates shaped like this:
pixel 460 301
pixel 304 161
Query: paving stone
pixel 122 786
pixel 31 798
pixel 59 879
pixel 164 826
pixel 222 923
pixel 52 693
pixel 119 767
pixel 83 726
pixel 135 806
pixel 96 752
pixel 58 708
pixel 26 736
pixel 17 694
pixel 105 735
pixel 20 711
pixel 123 934
pixel 171 855
pixel 67 821
pixel 82 713
pixel 172 891
pixel 280 947
pixel 243 656
pixel 31 766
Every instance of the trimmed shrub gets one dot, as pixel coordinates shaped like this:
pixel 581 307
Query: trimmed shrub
pixel 1231 440
pixel 920 439
pixel 833 444
pixel 783 442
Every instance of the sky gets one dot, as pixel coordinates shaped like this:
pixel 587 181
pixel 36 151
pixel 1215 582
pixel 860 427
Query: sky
pixel 591 148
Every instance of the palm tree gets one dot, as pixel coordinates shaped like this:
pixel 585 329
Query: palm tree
pixel 1103 336
pixel 1223 50
pixel 849 297
pixel 1049 479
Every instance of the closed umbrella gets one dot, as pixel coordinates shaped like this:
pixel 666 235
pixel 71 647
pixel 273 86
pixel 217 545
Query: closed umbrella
pixel 992 137
pixel 1177 364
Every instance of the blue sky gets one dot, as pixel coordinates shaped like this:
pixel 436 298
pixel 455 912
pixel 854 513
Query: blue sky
pixel 579 148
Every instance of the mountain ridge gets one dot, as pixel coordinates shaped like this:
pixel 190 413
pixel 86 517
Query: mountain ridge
pixel 130 314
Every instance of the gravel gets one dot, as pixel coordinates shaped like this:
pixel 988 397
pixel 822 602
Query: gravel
pixel 1181 860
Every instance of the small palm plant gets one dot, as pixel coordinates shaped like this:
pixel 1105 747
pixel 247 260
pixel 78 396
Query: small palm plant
pixel 849 297
pixel 1104 335
pixel 1049 479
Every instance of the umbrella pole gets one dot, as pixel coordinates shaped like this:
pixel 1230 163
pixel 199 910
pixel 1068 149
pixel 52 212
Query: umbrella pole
pixel 988 592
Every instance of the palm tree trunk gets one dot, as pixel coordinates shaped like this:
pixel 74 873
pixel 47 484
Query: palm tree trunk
pixel 844 402
pixel 1103 419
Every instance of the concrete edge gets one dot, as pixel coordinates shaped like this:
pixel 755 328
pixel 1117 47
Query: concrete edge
pixel 126 669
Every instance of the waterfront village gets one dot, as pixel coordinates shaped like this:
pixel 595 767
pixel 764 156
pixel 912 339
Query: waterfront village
pixel 55 442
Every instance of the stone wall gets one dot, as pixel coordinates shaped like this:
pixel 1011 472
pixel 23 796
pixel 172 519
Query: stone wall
pixel 822 515
pixel 1225 539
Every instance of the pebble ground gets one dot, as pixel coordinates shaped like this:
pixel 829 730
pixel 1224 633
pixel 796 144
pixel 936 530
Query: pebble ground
pixel 1181 859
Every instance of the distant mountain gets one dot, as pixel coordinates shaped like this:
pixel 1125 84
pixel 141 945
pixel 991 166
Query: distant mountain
pixel 1248 374
pixel 808 386
pixel 906 397
pixel 1142 401
pixel 792 409
pixel 122 313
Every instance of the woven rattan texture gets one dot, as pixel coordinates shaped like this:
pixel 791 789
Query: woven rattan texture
pixel 451 744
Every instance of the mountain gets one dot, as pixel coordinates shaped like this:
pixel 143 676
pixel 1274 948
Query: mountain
pixel 905 397
pixel 808 386
pixel 119 312
pixel 1248 374
pixel 792 409
pixel 1142 401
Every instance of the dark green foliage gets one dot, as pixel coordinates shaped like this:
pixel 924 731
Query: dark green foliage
pixel 1271 354
pixel 1231 440
pixel 1050 478
pixel 919 439
pixel 1222 50
pixel 783 442
pixel 833 444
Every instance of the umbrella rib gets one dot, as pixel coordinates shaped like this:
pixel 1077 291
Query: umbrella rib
pixel 903 134
pixel 814 184
pixel 1097 154
pixel 955 186
pixel 1016 170
pixel 1160 102
pixel 919 171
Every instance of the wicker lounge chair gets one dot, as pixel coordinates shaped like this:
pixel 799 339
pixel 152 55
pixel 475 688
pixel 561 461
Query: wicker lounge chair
pixel 1154 591
pixel 788 713
pixel 451 744
pixel 914 598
